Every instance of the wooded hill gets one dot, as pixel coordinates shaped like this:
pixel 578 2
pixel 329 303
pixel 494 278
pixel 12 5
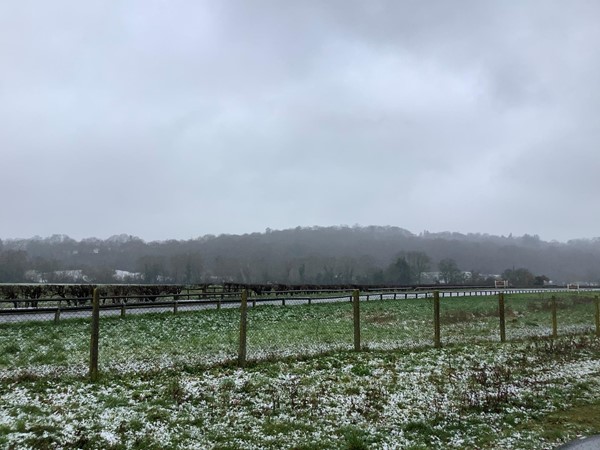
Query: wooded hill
pixel 318 255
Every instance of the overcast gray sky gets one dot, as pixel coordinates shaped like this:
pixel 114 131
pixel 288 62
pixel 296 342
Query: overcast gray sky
pixel 179 118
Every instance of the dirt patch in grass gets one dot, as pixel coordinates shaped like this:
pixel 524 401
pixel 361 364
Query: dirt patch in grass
pixel 582 300
pixel 461 315
pixel 546 305
pixel 380 318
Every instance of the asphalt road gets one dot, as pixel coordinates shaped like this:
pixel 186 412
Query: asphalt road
pixel 589 443
pixel 33 314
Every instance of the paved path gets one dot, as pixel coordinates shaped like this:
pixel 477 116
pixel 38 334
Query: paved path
pixel 589 443
pixel 30 314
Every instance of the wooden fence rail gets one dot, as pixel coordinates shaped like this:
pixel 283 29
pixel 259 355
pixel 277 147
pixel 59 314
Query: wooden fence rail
pixel 57 308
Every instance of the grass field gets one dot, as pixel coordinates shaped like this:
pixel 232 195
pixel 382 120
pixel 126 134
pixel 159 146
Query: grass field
pixel 168 382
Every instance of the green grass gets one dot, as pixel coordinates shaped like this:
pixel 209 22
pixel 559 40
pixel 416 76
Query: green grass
pixel 580 419
pixel 155 341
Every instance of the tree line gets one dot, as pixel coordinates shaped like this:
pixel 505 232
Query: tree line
pixel 314 255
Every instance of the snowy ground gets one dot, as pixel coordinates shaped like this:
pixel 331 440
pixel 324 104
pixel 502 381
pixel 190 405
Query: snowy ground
pixel 477 396
pixel 167 381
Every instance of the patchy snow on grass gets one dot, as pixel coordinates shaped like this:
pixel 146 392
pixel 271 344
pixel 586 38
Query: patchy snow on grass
pixel 166 382
pixel 476 396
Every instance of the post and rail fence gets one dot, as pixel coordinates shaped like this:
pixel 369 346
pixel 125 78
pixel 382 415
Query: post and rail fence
pixel 102 304
pixel 27 305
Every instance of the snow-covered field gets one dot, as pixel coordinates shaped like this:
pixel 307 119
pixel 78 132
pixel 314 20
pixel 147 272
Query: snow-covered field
pixel 167 382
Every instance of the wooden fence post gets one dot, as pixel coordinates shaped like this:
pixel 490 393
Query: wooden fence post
pixel 356 310
pixel 597 316
pixel 175 307
pixel 95 336
pixel 554 321
pixel 243 329
pixel 502 317
pixel 123 308
pixel 437 341
pixel 57 314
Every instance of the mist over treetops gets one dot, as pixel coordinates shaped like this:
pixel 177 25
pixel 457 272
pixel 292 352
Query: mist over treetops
pixel 317 255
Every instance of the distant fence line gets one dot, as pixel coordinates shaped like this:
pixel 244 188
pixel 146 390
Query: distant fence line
pixel 22 302
pixel 67 292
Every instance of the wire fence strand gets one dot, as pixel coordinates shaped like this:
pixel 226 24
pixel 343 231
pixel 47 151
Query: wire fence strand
pixel 155 330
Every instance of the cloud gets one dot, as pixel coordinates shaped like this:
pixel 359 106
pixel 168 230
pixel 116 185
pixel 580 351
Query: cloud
pixel 176 119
